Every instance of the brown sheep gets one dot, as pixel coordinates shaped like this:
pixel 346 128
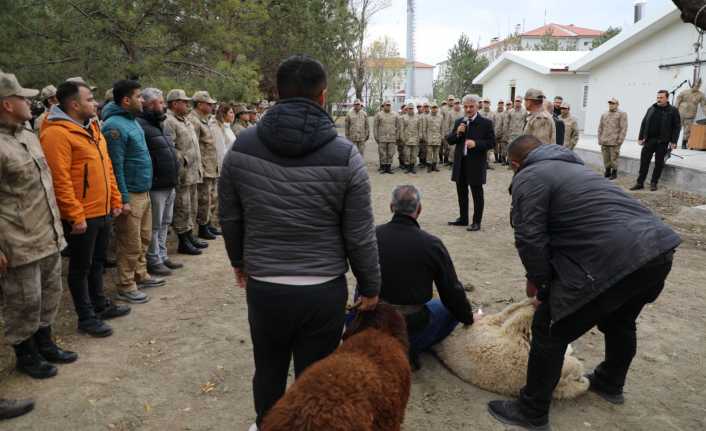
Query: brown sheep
pixel 492 354
pixel 363 386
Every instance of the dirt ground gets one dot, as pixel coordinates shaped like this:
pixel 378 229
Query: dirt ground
pixel 183 361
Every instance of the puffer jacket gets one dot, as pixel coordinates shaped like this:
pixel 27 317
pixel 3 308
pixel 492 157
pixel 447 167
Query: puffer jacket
pixel 128 150
pixel 81 168
pixel 165 167
pixel 295 199
pixel 577 233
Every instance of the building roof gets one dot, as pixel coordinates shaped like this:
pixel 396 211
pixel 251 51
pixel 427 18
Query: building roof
pixel 630 36
pixel 397 63
pixel 561 30
pixel 544 62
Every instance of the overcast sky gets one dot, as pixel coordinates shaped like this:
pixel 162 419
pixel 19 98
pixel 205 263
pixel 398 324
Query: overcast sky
pixel 441 22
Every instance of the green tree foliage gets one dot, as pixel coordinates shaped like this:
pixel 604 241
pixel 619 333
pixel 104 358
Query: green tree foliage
pixel 229 47
pixel 605 37
pixel 464 64
pixel 385 68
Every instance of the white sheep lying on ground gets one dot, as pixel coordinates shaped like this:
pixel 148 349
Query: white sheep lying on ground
pixel 493 352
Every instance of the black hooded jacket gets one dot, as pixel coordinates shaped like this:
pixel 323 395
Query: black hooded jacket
pixel 165 166
pixel 295 199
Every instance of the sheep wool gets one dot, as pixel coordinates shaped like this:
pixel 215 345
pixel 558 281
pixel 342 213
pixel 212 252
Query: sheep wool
pixel 492 354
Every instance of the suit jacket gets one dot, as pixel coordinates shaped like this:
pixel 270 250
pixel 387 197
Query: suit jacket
pixel 471 168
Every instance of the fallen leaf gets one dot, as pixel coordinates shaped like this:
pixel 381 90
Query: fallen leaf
pixel 148 407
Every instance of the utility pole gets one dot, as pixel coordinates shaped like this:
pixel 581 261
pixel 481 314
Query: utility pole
pixel 409 89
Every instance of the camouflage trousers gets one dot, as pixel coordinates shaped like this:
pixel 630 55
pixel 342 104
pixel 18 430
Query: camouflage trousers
pixel 501 148
pixel 400 153
pixel 207 201
pixel 433 151
pixel 133 235
pixel 448 150
pixel 423 151
pixel 611 154
pixel 410 154
pixel 686 127
pixel 31 295
pixel 185 207
pixel 360 145
pixel 386 151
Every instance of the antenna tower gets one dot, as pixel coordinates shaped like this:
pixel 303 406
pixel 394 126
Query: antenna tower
pixel 411 8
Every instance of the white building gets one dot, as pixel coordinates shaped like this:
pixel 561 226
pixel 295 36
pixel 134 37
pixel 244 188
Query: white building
pixel 653 54
pixel 394 81
pixel 514 72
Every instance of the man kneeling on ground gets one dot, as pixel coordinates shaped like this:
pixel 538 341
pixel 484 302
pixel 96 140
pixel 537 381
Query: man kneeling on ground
pixel 411 261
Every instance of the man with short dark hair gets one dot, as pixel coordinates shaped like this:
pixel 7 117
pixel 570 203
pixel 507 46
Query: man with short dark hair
pixel 133 171
pixel 659 133
pixel 295 209
pixel 412 261
pixel 581 271
pixel 88 199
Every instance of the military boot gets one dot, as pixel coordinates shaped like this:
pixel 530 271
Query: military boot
pixel 195 241
pixel 30 362
pixel 214 230
pixel 430 168
pixel 13 408
pixel 205 233
pixel 607 173
pixel 186 247
pixel 412 169
pixel 613 174
pixel 49 350
pixel 434 168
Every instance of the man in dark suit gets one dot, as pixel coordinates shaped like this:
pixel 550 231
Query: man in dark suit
pixel 473 136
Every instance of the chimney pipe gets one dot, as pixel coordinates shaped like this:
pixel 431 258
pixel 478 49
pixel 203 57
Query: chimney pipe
pixel 639 8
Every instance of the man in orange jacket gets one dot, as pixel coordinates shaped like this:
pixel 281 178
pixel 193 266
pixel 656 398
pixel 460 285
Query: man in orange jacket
pixel 88 196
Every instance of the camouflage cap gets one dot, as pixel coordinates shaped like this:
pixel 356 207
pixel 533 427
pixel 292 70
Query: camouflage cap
pixel 534 94
pixel 239 109
pixel 202 96
pixel 109 94
pixel 613 100
pixel 47 92
pixel 251 110
pixel 425 104
pixel 565 105
pixel 9 86
pixel 387 102
pixel 263 104
pixel 177 94
pixel 518 98
pixel 80 80
pixel 501 102
pixel 450 97
pixel 410 105
pixel 357 102
pixel 434 105
pixel 486 100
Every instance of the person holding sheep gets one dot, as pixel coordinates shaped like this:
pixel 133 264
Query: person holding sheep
pixel 581 270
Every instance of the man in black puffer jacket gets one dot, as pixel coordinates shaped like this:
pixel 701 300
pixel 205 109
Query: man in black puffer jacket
pixel 165 168
pixel 295 210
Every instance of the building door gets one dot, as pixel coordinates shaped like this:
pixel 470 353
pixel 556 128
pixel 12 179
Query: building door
pixel 512 93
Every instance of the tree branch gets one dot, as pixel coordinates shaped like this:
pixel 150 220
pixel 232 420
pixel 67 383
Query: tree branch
pixel 46 63
pixel 196 66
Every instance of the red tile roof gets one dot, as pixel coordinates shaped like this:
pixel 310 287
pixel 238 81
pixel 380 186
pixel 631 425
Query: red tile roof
pixel 559 30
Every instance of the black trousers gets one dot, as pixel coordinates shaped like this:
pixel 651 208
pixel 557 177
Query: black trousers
pixel 86 261
pixel 305 322
pixel 614 312
pixel 652 148
pixel 478 201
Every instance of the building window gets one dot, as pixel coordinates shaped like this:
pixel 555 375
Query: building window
pixel 584 104
pixel 586 43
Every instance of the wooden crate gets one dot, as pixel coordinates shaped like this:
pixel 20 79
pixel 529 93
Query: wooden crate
pixel 697 139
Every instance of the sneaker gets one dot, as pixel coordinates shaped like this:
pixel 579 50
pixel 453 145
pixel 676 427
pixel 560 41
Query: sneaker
pixel 596 387
pixel 134 297
pixel 95 328
pixel 509 413
pixel 151 282
pixel 173 265
pixel 112 310
pixel 159 269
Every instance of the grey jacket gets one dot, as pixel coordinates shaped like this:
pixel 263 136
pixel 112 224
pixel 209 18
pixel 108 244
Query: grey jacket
pixel 295 199
pixel 577 233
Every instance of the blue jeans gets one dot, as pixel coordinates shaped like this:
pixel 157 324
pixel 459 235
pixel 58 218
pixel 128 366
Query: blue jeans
pixel 440 326
pixel 162 214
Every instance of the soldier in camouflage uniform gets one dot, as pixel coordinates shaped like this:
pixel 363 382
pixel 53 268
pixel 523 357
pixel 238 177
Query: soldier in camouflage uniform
pixel 181 130
pixel 687 103
pixel 516 118
pixel 571 127
pixel 488 113
pixel 422 141
pixel 200 117
pixel 357 126
pixel 31 237
pixel 454 114
pixel 540 123
pixel 433 134
pixel 240 123
pixel 48 97
pixel 500 126
pixel 411 134
pixel 611 133
pixel 386 130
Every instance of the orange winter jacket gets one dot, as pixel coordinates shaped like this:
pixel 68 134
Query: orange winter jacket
pixel 84 182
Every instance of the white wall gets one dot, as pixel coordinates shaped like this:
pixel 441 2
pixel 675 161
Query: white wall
pixel 633 75
pixel 424 82
pixel 569 86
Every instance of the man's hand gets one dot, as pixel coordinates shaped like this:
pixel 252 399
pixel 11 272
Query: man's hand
pixel 641 142
pixel 531 289
pixel 366 304
pixel 116 212
pixel 461 129
pixel 79 228
pixel 3 264
pixel 536 302
pixel 241 278
pixel 673 145
pixel 470 144
pixel 126 209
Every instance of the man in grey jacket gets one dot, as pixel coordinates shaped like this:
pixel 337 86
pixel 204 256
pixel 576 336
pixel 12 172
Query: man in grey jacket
pixel 295 209
pixel 581 270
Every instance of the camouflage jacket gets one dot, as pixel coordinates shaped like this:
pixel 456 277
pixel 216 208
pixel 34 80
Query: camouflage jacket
pixel 612 128
pixel 451 118
pixel 207 144
pixel 181 130
pixel 515 123
pixel 238 128
pixel 688 102
pixel 386 127
pixel 500 125
pixel 411 129
pixel 434 129
pixel 30 223
pixel 571 131
pixel 357 126
pixel 541 125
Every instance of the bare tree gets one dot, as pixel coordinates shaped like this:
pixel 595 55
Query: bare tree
pixel 385 67
pixel 363 11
